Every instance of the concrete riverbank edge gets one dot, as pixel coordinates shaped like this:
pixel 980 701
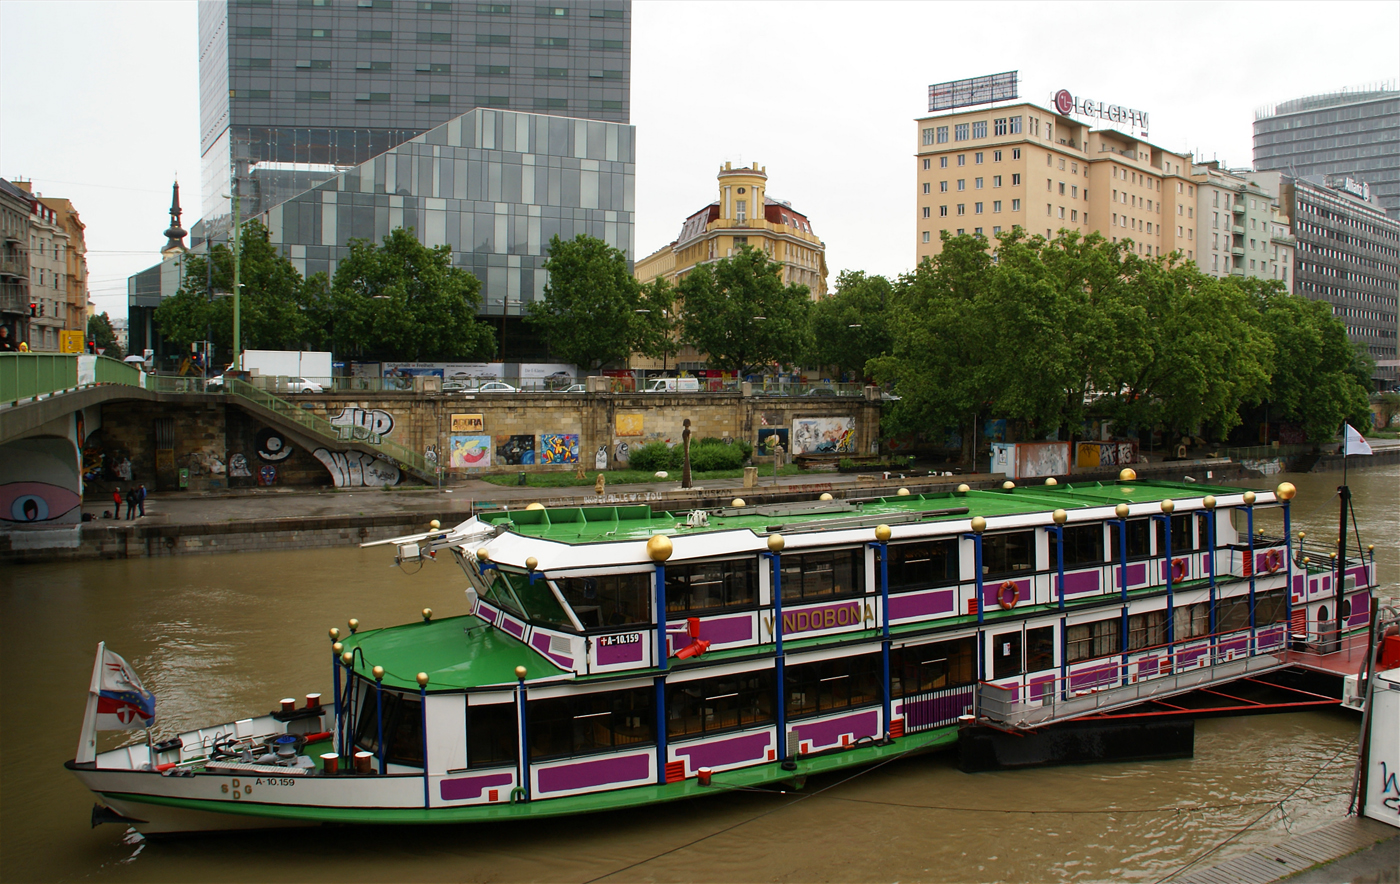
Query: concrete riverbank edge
pixel 1353 849
pixel 201 523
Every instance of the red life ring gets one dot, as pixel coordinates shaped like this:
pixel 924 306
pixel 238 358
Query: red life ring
pixel 1273 560
pixel 1180 569
pixel 1009 588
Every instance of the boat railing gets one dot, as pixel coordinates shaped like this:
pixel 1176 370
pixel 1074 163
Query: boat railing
pixel 927 710
pixel 1118 680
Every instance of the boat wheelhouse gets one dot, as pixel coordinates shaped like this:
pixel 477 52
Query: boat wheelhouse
pixel 617 656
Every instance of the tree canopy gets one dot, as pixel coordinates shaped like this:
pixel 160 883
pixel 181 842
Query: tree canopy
pixel 99 331
pixel 589 315
pixel 739 312
pixel 851 327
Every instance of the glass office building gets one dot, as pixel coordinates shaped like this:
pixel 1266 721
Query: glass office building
pixel 1342 134
pixel 294 92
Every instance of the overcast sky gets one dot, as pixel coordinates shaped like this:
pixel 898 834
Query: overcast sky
pixel 99 100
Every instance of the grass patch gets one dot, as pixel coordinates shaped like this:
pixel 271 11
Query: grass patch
pixel 564 479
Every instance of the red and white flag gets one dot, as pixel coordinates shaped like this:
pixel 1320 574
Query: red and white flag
pixel 123 703
pixel 1355 443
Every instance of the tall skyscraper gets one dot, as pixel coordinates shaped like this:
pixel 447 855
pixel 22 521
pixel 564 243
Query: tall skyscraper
pixel 293 92
pixel 1341 134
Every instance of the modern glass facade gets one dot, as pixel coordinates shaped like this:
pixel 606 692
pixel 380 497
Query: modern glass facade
pixel 293 92
pixel 1351 134
pixel 495 186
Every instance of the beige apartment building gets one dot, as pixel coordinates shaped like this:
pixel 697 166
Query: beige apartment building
pixel 986 170
pixel 1244 232
pixel 48 273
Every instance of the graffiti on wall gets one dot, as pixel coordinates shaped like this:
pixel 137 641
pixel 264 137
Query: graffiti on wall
pixel 629 424
pixel 363 424
pixel 238 467
pixel 558 448
pixel 469 452
pixel 351 469
pixel 622 452
pixel 271 447
pixel 823 435
pixel 39 482
pixel 515 451
pixel 779 435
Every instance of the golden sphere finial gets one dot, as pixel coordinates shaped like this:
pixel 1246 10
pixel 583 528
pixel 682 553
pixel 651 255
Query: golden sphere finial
pixel 903 492
pixel 427 614
pixel 1121 511
pixel 1059 517
pixel 535 506
pixel 1307 560
pixel 354 625
pixel 1302 534
pixel 1249 498
pixel 1168 506
pixel 483 555
pixel 659 547
pixel 738 503
pixel 520 672
pixel 1286 491
pixel 979 524
pixel 338 648
pixel 964 488
pixel 422 679
pixel 1052 481
pixel 1007 485
pixel 531 563
pixel 1208 501
pixel 1370 547
pixel 378 673
pixel 1127 474
pixel 776 542
pixel 882 533
pixel 826 495
pixel 335 633
pixel 434 524
pixel 348 658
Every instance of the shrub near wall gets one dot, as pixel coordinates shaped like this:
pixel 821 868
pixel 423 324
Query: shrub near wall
pixel 706 455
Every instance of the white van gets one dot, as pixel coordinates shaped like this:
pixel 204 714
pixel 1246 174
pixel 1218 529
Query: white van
pixel 673 385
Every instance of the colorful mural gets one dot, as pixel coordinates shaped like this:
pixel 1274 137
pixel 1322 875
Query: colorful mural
pixel 558 448
pixel 779 435
pixel 350 469
pixel 463 424
pixel 629 424
pixel 515 451
pixel 39 482
pixel 823 435
pixel 363 424
pixel 469 452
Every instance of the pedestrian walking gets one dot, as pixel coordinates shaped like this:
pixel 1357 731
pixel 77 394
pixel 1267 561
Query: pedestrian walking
pixel 116 503
pixel 141 499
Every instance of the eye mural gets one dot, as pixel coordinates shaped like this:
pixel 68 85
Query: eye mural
pixel 271 447
pixel 35 501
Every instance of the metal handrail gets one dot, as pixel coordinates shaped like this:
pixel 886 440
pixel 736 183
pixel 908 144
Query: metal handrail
pixel 30 375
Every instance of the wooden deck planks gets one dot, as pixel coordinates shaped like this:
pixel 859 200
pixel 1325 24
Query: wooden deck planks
pixel 1329 843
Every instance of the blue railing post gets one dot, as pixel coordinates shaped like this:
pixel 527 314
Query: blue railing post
pixel 1288 572
pixel 423 709
pixel 379 714
pixel 1253 567
pixel 523 755
pixel 774 557
pixel 882 549
pixel 339 715
pixel 662 654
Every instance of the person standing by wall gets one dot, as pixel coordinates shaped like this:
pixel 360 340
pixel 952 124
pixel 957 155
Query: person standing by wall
pixel 141 499
pixel 116 503
pixel 131 497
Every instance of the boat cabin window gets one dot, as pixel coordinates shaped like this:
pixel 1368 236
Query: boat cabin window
pixel 1004 555
pixel 916 669
pixel 1183 535
pixel 703 587
pixel 530 598
pixel 403 726
pixel 710 705
pixel 923 563
pixel 828 685
pixel 1147 630
pixel 1139 532
pixel 1191 621
pixel 604 600
pixel 1083 546
pixel 1232 615
pixel 585 723
pixel 493 734
pixel 1007 658
pixel 823 575
pixel 1006 654
pixel 1086 641
pixel 1272 607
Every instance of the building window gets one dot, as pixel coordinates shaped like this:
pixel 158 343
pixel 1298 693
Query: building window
pixel 1074 214
pixel 1062 188
pixel 977 183
pixel 962 159
pixel 551 73
pixel 942 137
pixel 373 36
pixel 977 158
pixel 962 184
pixel 550 42
pixel 1016 130
pixel 926 211
pixel 925 236
pixel 959 131
pixel 979 129
pixel 996 206
pixel 996 181
pixel 999 126
pixel 310 33
pixel 996 230
pixel 943 211
pixel 926 164
pixel 996 156
pixel 1015 178
pixel 962 208
pixel 741 210
pixel 942 162
pixel 926 187
pixel 1015 205
pixel 1015 152
pixel 942 187
pixel 928 136
pixel 976 208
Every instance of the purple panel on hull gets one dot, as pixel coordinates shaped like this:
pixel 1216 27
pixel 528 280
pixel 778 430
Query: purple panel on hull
pixel 920 604
pixel 512 626
pixel 464 788
pixel 1269 639
pixel 718 630
pixel 750 747
pixel 1239 644
pixel 540 642
pixel 1189 656
pixel 619 651
pixel 1094 676
pixel 487 613
pixel 603 772
pixel 1298 586
pixel 1040 688
pixel 990 590
pixel 1081 581
pixel 828 733
pixel 1137 574
pixel 1360 610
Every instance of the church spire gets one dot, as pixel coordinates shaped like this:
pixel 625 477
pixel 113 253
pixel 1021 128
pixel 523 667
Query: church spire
pixel 175 234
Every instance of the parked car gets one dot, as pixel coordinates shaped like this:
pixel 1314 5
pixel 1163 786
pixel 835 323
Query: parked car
pixel 820 391
pixel 215 384
pixel 575 388
pixel 495 387
pixel 302 385
pixel 672 385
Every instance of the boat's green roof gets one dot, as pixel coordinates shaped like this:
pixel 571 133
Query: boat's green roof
pixel 456 653
pixel 608 523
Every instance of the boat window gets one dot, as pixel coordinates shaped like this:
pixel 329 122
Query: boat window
pixel 1086 641
pixel 709 705
pixel 823 575
pixel 919 668
pixel 1006 654
pixel 1183 535
pixel 585 723
pixel 536 601
pixel 501 594
pixel 1271 607
pixel 1232 615
pixel 711 586
pixel 1006 554
pixel 1040 648
pixel 925 563
pixel 403 727
pixel 1139 530
pixel 1083 546
pixel 493 735
pixel 827 685
pixel 1191 621
pixel 1147 630
pixel 604 600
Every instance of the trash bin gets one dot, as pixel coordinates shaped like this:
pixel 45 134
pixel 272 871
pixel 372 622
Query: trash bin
pixel 520 479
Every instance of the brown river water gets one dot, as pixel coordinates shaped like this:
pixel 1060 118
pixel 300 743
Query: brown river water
pixel 221 637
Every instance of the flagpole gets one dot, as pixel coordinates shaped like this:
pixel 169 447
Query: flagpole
pixel 87 738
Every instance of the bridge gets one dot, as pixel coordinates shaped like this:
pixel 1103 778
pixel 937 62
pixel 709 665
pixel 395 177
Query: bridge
pixel 49 406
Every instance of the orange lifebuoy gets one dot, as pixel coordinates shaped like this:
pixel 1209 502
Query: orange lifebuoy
pixel 1273 560
pixel 1008 594
pixel 1180 569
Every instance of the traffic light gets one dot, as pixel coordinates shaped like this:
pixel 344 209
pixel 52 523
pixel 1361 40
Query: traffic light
pixel 33 309
pixel 92 347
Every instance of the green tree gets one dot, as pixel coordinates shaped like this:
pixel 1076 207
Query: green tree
pixel 851 327
pixel 401 301
pixel 99 330
pixel 589 314
pixel 739 313
pixel 659 329
pixel 270 305
pixel 1320 379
